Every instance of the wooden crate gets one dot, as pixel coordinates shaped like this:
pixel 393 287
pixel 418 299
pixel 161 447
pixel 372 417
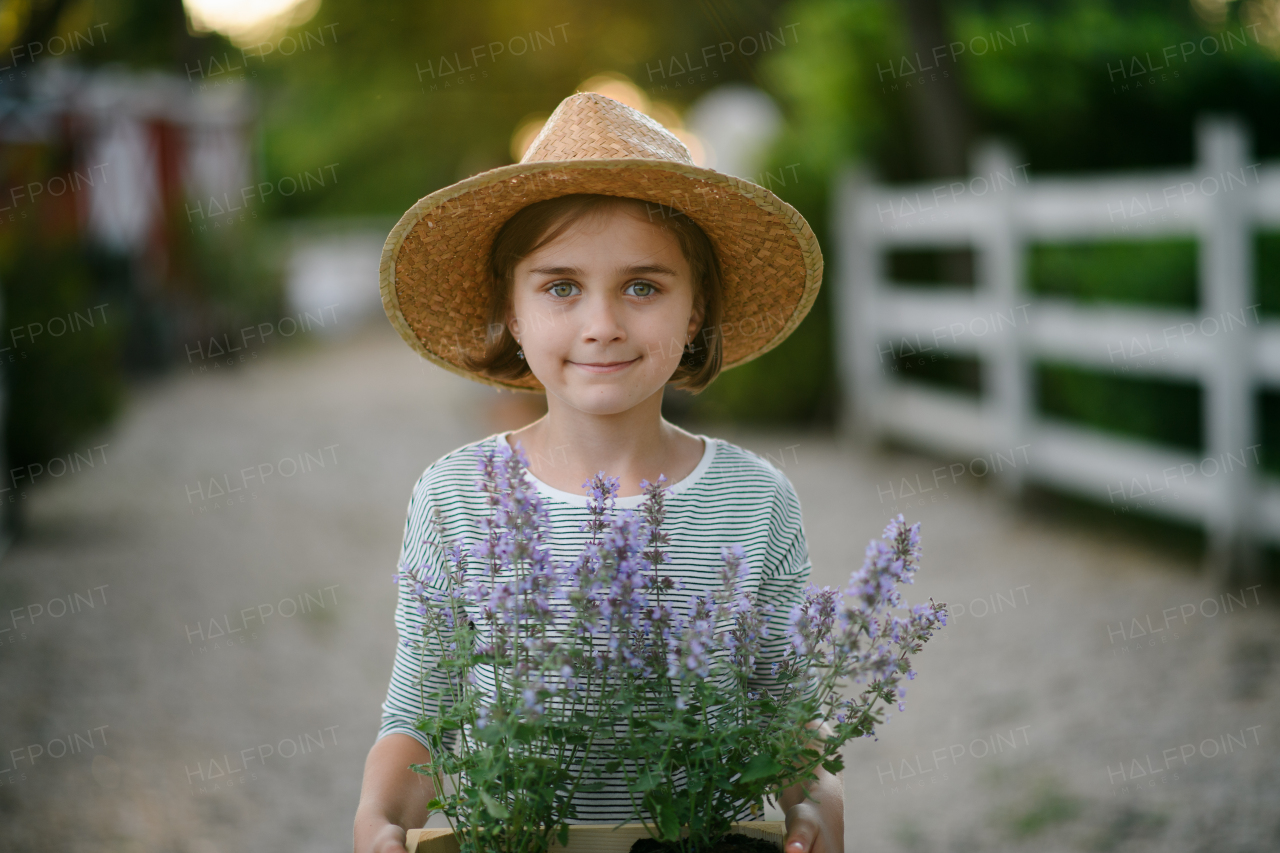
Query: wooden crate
pixel 590 838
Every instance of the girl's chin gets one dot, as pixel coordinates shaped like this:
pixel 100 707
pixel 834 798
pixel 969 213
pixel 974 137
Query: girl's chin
pixel 600 398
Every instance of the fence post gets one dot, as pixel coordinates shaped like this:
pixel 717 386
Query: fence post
pixel 859 281
pixel 1006 375
pixel 1226 278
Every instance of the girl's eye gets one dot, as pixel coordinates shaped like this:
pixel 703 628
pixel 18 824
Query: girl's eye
pixel 645 288
pixel 562 289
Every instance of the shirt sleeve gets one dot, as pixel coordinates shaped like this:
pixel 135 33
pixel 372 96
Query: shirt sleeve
pixel 784 577
pixel 414 674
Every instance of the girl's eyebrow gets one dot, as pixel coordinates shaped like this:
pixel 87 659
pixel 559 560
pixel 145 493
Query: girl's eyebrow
pixel 649 269
pixel 637 269
pixel 556 271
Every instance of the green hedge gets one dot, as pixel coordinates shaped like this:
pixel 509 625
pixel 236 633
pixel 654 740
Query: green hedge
pixel 1162 273
pixel 62 370
pixel 1165 412
pixel 1267 272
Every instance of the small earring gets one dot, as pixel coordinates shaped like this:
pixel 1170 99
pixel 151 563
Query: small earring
pixel 520 354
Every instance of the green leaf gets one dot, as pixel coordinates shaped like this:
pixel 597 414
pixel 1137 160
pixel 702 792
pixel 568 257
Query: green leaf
pixel 666 725
pixel 668 821
pixel 763 766
pixel 494 807
pixel 489 734
pixel 645 781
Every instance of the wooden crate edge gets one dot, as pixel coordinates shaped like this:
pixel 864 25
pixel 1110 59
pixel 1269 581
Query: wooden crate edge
pixel 442 840
pixel 431 841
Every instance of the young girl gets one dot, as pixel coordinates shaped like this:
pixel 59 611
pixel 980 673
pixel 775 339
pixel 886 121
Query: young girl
pixel 600 268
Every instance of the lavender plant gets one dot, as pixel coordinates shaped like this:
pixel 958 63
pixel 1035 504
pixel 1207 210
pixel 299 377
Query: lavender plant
pixel 548 678
pixel 528 658
pixel 506 732
pixel 728 737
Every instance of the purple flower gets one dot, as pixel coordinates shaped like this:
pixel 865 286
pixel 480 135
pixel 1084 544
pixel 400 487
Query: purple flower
pixel 601 491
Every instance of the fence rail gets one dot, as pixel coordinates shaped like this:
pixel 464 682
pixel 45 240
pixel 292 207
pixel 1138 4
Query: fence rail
pixel 1226 346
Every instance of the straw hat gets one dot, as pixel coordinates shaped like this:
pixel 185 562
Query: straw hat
pixel 435 275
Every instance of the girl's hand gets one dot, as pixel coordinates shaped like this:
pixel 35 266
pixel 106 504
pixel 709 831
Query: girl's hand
pixel 815 811
pixel 807 832
pixel 389 839
pixel 392 796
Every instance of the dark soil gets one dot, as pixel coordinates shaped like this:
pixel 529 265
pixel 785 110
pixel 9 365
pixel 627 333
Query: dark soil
pixel 734 842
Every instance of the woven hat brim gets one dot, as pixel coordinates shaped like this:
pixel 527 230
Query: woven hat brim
pixel 434 273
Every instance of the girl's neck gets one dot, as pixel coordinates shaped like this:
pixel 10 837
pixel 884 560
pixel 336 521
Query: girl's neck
pixel 566 447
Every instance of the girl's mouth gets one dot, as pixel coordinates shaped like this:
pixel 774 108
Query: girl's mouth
pixel 605 366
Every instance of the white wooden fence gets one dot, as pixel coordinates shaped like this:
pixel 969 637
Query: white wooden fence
pixel 1221 202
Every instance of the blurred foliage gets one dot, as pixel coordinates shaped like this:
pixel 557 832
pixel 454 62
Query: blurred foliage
pixel 374 100
pixel 62 329
pixel 1268 426
pixel 951 371
pixel 1163 411
pixel 142 34
pixel 364 92
pixel 1050 94
pixel 63 386
pixel 1049 805
pixel 232 274
pixel 1144 272
pixel 928 267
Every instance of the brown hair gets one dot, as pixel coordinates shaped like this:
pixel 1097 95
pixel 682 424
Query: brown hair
pixel 542 222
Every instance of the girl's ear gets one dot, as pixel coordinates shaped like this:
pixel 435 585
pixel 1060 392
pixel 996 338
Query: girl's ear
pixel 696 317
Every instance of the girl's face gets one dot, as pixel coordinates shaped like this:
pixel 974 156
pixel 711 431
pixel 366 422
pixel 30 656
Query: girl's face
pixel 604 310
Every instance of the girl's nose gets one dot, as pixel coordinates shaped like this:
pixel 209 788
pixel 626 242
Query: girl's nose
pixel 601 322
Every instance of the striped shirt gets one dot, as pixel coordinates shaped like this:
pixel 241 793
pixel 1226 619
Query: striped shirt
pixel 733 496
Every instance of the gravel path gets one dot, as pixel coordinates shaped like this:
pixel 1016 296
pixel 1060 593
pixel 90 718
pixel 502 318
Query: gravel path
pixel 196 672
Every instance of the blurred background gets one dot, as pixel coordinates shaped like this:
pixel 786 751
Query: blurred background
pixel 1048 329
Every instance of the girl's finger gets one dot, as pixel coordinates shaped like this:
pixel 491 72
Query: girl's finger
pixel 800 838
